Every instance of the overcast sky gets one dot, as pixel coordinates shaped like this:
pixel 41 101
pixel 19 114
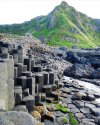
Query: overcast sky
pixel 18 11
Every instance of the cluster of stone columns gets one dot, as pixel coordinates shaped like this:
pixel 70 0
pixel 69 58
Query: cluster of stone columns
pixel 27 83
pixel 6 77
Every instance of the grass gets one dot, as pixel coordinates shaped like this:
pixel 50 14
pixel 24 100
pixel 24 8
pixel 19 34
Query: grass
pixel 62 108
pixel 65 120
pixel 72 119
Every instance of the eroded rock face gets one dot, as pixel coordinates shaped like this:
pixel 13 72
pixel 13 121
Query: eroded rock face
pixel 79 70
pixel 85 62
pixel 96 73
pixel 16 118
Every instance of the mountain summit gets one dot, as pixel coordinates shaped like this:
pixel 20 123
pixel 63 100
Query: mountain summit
pixel 64 26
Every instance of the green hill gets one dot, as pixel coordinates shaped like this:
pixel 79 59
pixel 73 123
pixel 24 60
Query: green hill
pixel 64 26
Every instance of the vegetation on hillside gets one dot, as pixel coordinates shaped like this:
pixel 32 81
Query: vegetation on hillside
pixel 64 26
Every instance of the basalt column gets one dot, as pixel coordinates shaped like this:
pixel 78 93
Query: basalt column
pixel 15 56
pixel 51 78
pixel 31 85
pixel 46 78
pixel 39 81
pixel 10 83
pixel 20 54
pixel 27 61
pixel 3 86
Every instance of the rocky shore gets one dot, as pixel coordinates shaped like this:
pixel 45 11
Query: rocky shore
pixel 35 90
pixel 85 64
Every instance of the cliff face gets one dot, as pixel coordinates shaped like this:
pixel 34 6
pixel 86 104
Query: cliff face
pixel 64 26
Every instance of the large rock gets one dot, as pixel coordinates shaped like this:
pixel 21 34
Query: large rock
pixel 16 118
pixel 96 74
pixel 72 57
pixel 79 70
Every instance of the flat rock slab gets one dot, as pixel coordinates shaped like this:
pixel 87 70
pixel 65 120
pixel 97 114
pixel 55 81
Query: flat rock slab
pixel 79 115
pixel 88 122
pixel 71 106
pixel 75 110
pixel 68 101
pixel 88 105
pixel 85 110
pixel 59 113
pixel 96 111
pixel 79 104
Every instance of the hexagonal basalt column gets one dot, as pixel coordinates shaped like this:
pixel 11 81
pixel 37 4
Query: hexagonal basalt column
pixel 27 61
pixel 46 78
pixel 21 81
pixel 39 81
pixel 51 78
pixel 20 54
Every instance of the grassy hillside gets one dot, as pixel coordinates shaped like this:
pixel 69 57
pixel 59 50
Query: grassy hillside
pixel 64 26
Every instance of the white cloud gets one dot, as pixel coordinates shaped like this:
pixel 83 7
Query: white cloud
pixel 17 11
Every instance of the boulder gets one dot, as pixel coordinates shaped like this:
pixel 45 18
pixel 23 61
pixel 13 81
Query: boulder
pixel 79 70
pixel 96 74
pixel 49 116
pixel 16 118
pixel 72 57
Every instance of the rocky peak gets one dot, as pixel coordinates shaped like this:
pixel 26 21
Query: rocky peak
pixel 64 4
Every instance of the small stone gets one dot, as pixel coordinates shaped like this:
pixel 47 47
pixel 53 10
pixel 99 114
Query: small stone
pixel 36 114
pixel 40 109
pixel 79 115
pixel 50 116
pixel 85 110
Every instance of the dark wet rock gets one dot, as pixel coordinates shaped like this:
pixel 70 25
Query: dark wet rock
pixel 89 116
pixel 79 71
pixel 97 120
pixel 55 95
pixel 72 57
pixel 90 97
pixel 79 104
pixel 64 95
pixel 96 95
pixel 98 105
pixel 95 111
pixel 49 116
pixel 48 122
pixel 88 105
pixel 96 74
pixel 29 102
